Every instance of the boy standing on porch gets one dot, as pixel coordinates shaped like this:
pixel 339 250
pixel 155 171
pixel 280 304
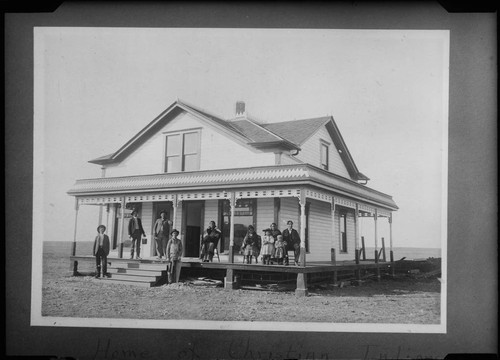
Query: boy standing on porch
pixel 174 254
pixel 135 231
pixel 101 251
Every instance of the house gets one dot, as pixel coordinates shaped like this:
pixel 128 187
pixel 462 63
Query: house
pixel 200 167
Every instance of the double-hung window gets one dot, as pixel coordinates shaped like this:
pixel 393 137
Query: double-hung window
pixel 182 151
pixel 343 232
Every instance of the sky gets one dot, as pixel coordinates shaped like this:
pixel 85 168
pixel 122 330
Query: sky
pixel 387 90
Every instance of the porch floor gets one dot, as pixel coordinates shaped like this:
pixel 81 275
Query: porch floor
pixel 311 266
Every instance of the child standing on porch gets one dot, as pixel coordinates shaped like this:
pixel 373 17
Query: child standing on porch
pixel 267 247
pixel 174 253
pixel 279 252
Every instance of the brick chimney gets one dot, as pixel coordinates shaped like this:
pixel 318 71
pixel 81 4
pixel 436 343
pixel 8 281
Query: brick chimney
pixel 240 110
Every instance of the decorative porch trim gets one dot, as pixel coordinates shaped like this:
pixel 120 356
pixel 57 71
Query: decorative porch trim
pixel 99 200
pixel 318 195
pixel 149 197
pixel 267 193
pixel 384 213
pixel 345 202
pixel 203 195
pixel 366 208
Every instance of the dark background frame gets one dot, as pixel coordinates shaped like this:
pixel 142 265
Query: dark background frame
pixel 472 186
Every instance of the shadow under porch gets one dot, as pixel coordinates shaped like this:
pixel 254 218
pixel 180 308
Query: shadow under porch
pixel 153 272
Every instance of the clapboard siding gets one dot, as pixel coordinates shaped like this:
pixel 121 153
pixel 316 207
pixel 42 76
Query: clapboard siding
pixel 320 230
pixel 149 157
pixel 147 224
pixel 265 214
pixel 310 153
pixel 289 210
pixel 211 212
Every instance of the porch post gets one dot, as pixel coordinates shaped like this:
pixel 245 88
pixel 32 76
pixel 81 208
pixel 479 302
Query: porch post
pixel 357 272
pixel 375 218
pixel 332 250
pixel 376 246
pixel 73 247
pixel 120 234
pixel 107 217
pixel 174 210
pixel 232 204
pixel 301 289
pixel 356 234
pixel 229 282
pixel 391 254
pixel 103 174
pixel 302 258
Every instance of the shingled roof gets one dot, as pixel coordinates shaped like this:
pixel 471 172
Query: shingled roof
pixel 297 131
pixel 287 135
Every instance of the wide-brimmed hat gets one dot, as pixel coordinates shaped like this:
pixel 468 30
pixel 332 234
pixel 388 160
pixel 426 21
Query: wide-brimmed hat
pixel 268 229
pixel 174 231
pixel 251 227
pixel 101 226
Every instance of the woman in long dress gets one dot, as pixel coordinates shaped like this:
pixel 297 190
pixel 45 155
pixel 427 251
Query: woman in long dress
pixel 250 245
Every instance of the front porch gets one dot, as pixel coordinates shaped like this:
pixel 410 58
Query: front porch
pixel 152 272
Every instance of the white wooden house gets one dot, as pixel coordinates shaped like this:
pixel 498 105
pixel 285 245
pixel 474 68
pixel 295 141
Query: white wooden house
pixel 237 172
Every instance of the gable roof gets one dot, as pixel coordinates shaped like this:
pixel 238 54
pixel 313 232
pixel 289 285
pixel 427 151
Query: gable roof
pixel 287 135
pixel 297 131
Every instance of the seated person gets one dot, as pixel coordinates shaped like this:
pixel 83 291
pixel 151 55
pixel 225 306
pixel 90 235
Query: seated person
pixel 209 243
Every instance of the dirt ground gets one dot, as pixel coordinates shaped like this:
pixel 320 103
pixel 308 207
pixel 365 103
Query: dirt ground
pixel 403 300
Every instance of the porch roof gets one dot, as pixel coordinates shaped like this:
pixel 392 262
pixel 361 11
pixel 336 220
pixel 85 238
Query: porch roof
pixel 236 178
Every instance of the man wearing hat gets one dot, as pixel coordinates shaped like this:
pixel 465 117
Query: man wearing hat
pixel 161 230
pixel 174 254
pixel 101 251
pixel 135 231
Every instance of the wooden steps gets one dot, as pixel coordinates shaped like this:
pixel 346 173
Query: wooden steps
pixel 137 273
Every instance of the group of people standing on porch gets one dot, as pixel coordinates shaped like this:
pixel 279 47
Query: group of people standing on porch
pixel 273 246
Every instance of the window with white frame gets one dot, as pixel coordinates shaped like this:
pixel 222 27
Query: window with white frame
pixel 343 232
pixel 182 151
pixel 324 155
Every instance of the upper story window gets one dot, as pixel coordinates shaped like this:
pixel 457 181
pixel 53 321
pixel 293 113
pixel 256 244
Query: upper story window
pixel 324 147
pixel 182 151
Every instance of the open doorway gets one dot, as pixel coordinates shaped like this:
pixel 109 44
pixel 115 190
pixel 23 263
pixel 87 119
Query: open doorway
pixel 192 227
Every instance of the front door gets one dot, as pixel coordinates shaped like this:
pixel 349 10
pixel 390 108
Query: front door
pixel 192 228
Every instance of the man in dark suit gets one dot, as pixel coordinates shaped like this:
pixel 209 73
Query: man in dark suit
pixel 135 231
pixel 101 251
pixel 292 239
